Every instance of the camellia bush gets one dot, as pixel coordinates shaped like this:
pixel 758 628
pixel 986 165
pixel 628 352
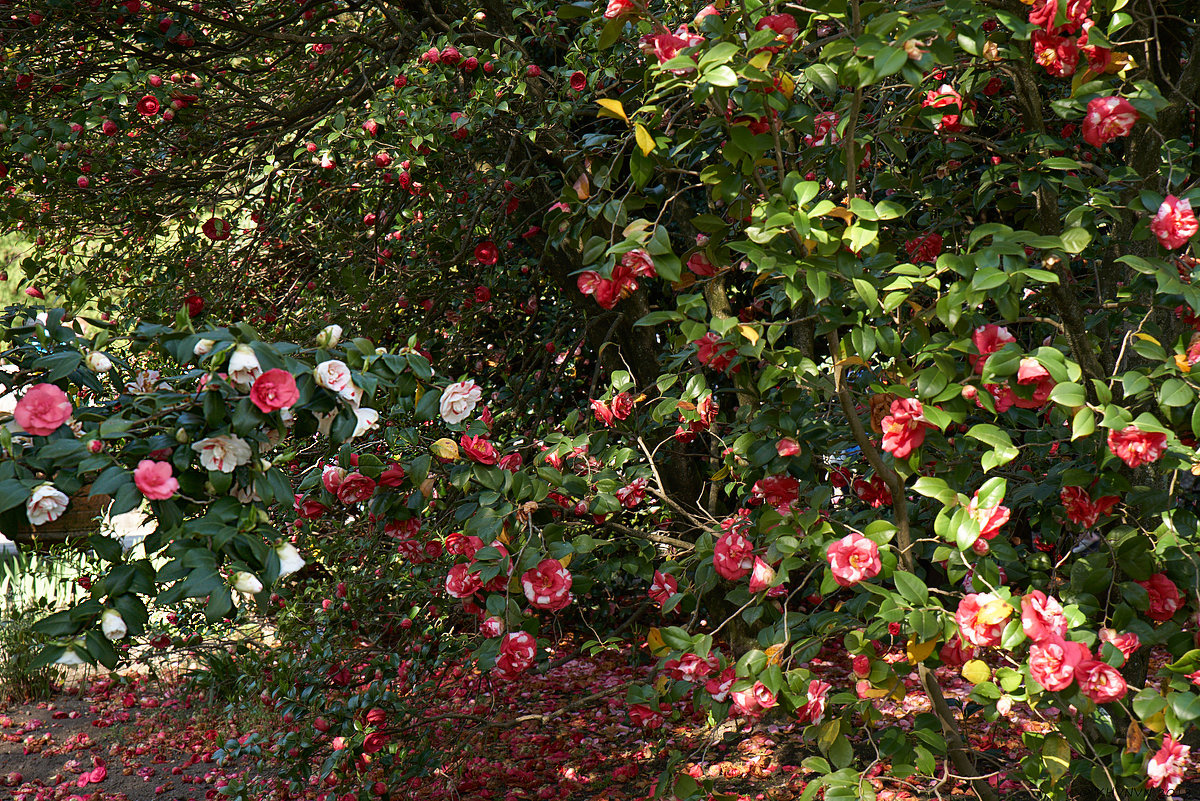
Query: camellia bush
pixel 852 325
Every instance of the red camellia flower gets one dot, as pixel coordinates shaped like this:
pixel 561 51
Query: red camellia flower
pixel 945 97
pixel 355 488
pixel 450 55
pixel 663 587
pixel 713 352
pixel 1100 682
pixel 1032 373
pixel 273 390
pixel 194 304
pixel 393 476
pixel 924 248
pixel 1166 768
pixel 813 710
pixel 147 106
pixel 904 428
pixel 874 493
pixel 478 449
pixel 981 618
pixel 644 717
pixel 956 653
pixel 155 480
pixel 487 253
pixel 1042 616
pixel 632 493
pixel 216 229
pixel 1135 447
pixel 853 558
pixel 733 556
pixel 785 26
pixel 517 652
pixel 1082 509
pixel 1052 662
pixel 666 46
pixel 461 582
pixel 578 81
pixel 989 518
pixel 1175 223
pixel 987 340
pixel 1058 54
pixel 617 8
pixel 42 409
pixel 622 405
pixel 1107 119
pixel 1164 597
pixel 373 742
pixel 1126 643
pixel 547 586
pixel 602 412
pixel 779 492
pixel 310 509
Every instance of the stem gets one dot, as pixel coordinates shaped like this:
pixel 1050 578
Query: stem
pixel 954 742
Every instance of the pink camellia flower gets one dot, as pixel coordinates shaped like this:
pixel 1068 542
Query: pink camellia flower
pixel 989 518
pixel 691 667
pixel 1042 616
pixel 1166 768
pixel 478 449
pixel 761 575
pixel 753 701
pixel 733 556
pixel 617 8
pixel 644 717
pixel 699 264
pixel 904 429
pixel 945 96
pixel 956 653
pixel 708 11
pixel 155 480
pixel 1099 681
pixel 1053 660
pixel 487 253
pixel 273 390
pixel 787 447
pixel 1126 643
pixel 778 492
pixel 663 587
pixel 814 710
pixel 1107 119
pixel 666 46
pixel 332 476
pixel 1165 600
pixel 632 493
pixel 622 405
pixel 355 488
pixel 42 409
pixel 1082 509
pixel 988 339
pixel 309 509
pixel 1058 54
pixel 853 558
pixel 1175 223
pixel 461 582
pixel 547 586
pixel 718 686
pixel 459 400
pixel 147 106
pixel 981 617
pixel 1135 447
pixel 1032 373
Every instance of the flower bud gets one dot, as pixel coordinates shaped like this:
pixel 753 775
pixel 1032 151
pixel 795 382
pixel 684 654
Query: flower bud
pixel 97 362
pixel 181 435
pixel 246 582
pixel 289 559
pixel 203 347
pixel 113 625
pixel 330 335
pixel 94 446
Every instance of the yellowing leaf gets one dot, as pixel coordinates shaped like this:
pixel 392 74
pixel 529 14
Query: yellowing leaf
pixel 841 213
pixel 775 653
pixel 445 449
pixel 417 395
pixel 566 560
pixel 787 85
pixel 762 60
pixel 583 187
pixel 612 108
pixel 1056 755
pixel 994 612
pixel 1156 723
pixel 644 139
pixel 654 640
pixel 976 671
pixel 720 474
pixel 1134 738
pixel 828 732
pixel 855 360
pixel 919 651
pixel 748 332
pixel 893 687
pixel 1181 362
pixel 660 684
pixel 1148 338
pixel 504 536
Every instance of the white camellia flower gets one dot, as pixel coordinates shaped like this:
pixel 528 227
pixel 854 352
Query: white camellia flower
pixel 203 347
pixel 325 422
pixel 70 656
pixel 247 583
pixel 45 504
pixel 222 453
pixel 244 366
pixel 459 400
pixel 333 375
pixel 367 419
pixel 289 559
pixel 330 335
pixel 98 362
pixel 352 394
pixel 113 625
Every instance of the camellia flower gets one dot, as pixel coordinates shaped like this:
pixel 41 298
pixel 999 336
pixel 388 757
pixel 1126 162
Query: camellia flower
pixel 904 428
pixel 1135 447
pixel 578 81
pixel 547 586
pixel 814 710
pixel 223 453
pixel 1175 223
pixel 289 559
pixel 713 352
pixel 617 8
pixel 1107 119
pixel 155 480
pixel 517 652
pixel 246 582
pixel 945 96
pixel 666 46
pixel 461 582
pixel 478 449
pixel 753 701
pixel 355 488
pixel 762 575
pixel 333 375
pixel 364 421
pixel 113 625
pixel 273 390
pixel 718 687
pixel 988 339
pixel 487 253
pixel 622 405
pixel 147 106
pixel 1165 769
pixel 981 617
pixel 1032 373
pixel 1042 616
pixel 1165 599
pixel 1126 643
pixel 733 556
pixel 216 229
pixel 784 25
pixel 853 558
pixel 1100 681
pixel 1053 660
pixel 632 493
pixel 45 504
pixel 42 409
pixel 989 518
pixel 243 366
pixel 1082 509
pixel 459 400
pixel 330 335
pixel 663 587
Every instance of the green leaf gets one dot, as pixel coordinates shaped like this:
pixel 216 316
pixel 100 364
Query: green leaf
pixel 13 493
pixel 1084 423
pixel 1175 392
pixel 889 60
pixel 1068 394
pixel 911 587
pixel 935 488
pixel 1076 239
pixel 1056 755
